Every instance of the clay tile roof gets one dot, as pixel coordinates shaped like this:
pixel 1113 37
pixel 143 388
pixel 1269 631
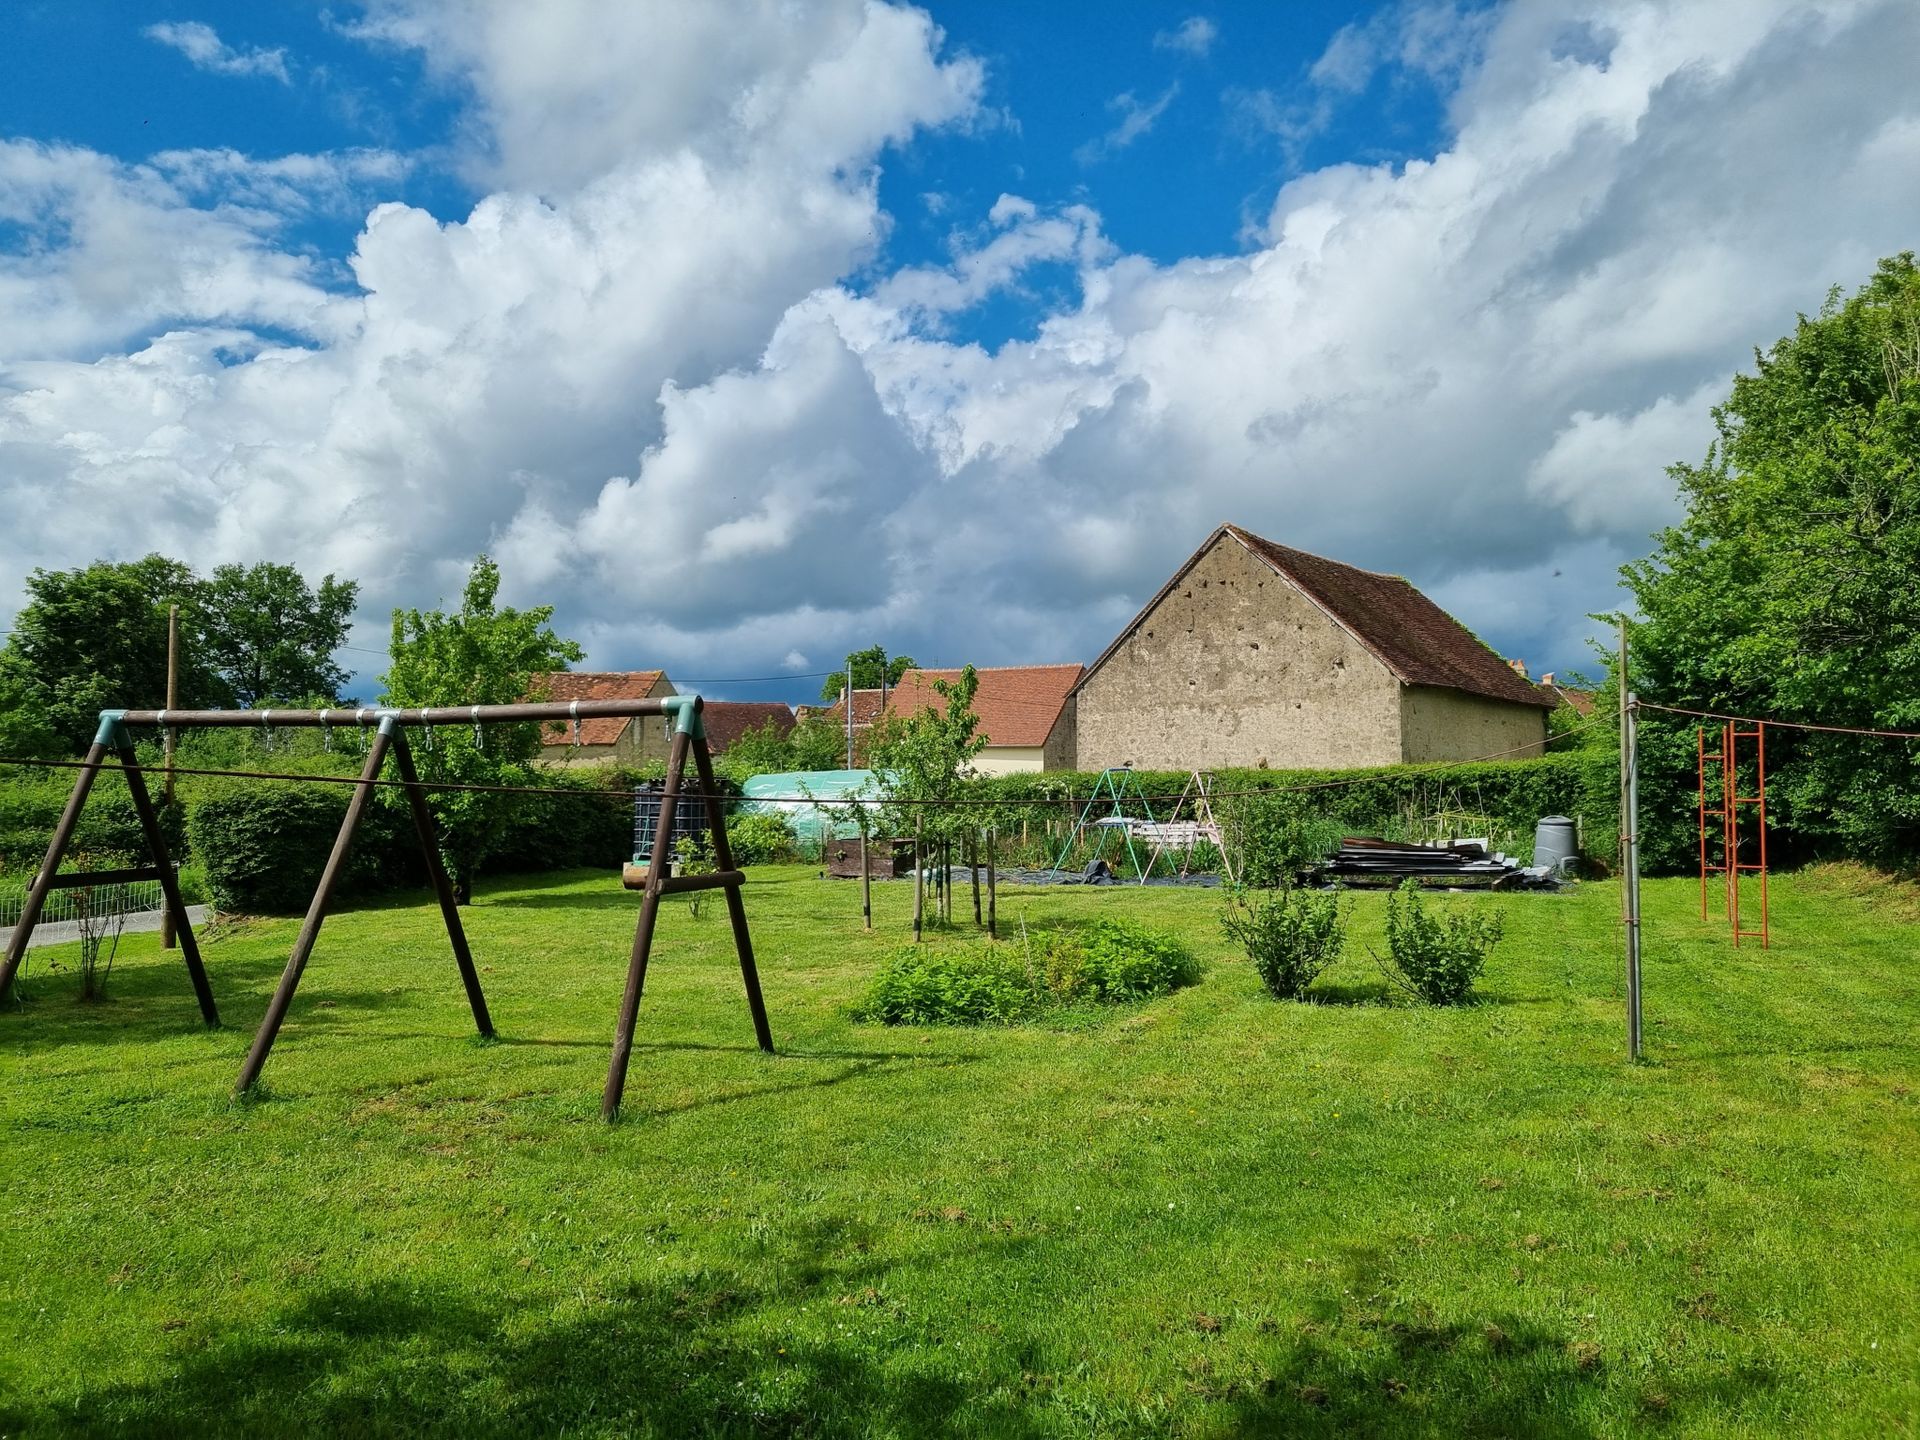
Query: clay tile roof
pixel 568 685
pixel 727 720
pixel 1413 637
pixel 867 708
pixel 1017 704
pixel 1579 701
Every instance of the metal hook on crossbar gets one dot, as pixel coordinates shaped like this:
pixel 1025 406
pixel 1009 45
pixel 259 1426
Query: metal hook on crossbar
pixel 326 731
pixel 266 728
pixel 573 710
pixel 479 741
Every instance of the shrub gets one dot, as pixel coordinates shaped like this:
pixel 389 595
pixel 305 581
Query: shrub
pixel 262 846
pixel 693 855
pixel 1126 961
pixel 1437 960
pixel 1108 962
pixel 562 832
pixel 1291 935
pixel 759 839
pixel 972 985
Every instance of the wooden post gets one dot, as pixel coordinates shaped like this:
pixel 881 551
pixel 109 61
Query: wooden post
pixel 166 743
pixel 316 910
pixel 866 876
pixel 175 908
pixel 643 931
pixel 442 887
pixel 973 866
pixel 919 876
pixel 993 928
pixel 56 848
pixel 736 907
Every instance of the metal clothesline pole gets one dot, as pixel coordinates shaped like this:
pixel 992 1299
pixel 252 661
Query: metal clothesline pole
pixel 1630 842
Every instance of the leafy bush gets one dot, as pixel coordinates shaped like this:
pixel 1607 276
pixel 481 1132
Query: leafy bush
pixel 1108 962
pixel 1126 961
pixel 562 832
pixel 972 985
pixel 1437 960
pixel 759 839
pixel 30 807
pixel 1277 836
pixel 262 846
pixel 1291 935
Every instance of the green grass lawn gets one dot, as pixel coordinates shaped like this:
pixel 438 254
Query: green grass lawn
pixel 1211 1214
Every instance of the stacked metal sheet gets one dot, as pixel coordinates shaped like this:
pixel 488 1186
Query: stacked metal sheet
pixel 1364 860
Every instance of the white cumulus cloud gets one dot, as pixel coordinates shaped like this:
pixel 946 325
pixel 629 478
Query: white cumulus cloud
pixel 656 369
pixel 205 50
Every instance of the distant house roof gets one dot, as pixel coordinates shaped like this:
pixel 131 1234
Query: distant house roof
pixel 1018 705
pixel 1578 701
pixel 867 708
pixel 565 685
pixel 727 720
pixel 1417 641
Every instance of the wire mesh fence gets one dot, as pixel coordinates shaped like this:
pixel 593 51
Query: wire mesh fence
pixel 126 898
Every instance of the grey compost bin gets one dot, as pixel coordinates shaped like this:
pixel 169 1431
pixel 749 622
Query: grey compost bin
pixel 1554 842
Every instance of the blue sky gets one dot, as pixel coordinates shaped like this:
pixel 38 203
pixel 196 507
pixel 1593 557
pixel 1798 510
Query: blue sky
pixel 749 335
pixel 1056 88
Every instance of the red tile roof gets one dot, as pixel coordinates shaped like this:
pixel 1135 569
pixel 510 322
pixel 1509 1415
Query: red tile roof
pixel 1017 704
pixel 727 720
pixel 1413 637
pixel 1579 701
pixel 866 710
pixel 568 685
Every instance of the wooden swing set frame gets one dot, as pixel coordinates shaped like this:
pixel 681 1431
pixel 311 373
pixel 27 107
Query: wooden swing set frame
pixel 389 735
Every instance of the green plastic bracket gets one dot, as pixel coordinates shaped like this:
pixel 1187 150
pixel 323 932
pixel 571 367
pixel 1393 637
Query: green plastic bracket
pixel 112 732
pixel 685 710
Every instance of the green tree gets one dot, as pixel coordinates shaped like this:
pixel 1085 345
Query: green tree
pixel 96 637
pixel 271 635
pixel 928 756
pixel 870 668
pixel 816 743
pixel 24 731
pixel 761 750
pixel 483 654
pixel 1792 588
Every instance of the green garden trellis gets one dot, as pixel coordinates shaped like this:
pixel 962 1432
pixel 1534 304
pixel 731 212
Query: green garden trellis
pixel 1117 792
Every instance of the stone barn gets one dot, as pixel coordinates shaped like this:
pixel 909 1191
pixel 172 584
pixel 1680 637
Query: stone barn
pixel 1255 654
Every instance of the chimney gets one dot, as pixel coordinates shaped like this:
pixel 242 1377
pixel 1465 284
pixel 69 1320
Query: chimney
pixel 1547 679
pixel 1519 668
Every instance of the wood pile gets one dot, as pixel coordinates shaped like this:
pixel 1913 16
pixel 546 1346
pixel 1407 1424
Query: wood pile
pixel 1367 860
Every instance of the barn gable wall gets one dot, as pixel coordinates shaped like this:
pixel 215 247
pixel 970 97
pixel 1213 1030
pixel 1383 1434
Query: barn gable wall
pixel 1235 666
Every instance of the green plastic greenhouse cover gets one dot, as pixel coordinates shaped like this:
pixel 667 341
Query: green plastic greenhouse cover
pixel 807 799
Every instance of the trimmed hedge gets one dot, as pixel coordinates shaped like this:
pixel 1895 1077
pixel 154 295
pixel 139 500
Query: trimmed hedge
pixel 30 808
pixel 1291 812
pixel 262 844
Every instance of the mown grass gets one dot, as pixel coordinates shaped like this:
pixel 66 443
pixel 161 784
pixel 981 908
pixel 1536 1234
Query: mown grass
pixel 1211 1214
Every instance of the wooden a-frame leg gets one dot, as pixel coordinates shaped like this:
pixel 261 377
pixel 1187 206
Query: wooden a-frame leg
pixel 169 882
pixel 56 850
pixel 316 909
pixel 437 872
pixel 736 907
pixel 643 931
